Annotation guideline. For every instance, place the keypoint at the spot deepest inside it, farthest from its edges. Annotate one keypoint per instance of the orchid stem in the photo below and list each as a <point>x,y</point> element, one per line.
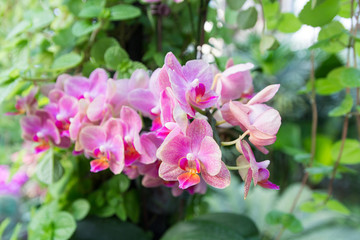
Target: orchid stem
<point>220,122</point>
<point>236,140</point>
<point>237,167</point>
<point>217,76</point>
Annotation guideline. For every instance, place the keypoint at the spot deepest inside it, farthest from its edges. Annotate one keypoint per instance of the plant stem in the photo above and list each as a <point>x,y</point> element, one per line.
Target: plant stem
<point>201,31</point>
<point>159,33</point>
<point>333,174</point>
<point>237,167</point>
<point>191,17</point>
<point>313,139</point>
<point>263,17</point>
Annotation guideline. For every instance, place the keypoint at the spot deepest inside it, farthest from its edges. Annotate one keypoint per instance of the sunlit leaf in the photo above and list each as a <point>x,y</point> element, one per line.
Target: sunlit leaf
<point>351,151</point>
<point>321,14</point>
<point>344,108</point>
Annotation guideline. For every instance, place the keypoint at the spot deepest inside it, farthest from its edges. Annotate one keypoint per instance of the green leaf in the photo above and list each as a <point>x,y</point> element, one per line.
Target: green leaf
<point>288,23</point>
<point>328,86</point>
<point>124,12</point>
<point>310,207</point>
<point>65,38</point>
<point>289,221</point>
<point>321,14</point>
<point>80,208</point>
<point>41,18</point>
<point>235,4</point>
<point>132,205</point>
<point>16,232</point>
<point>230,16</point>
<point>4,225</point>
<point>64,226</point>
<point>350,77</point>
<point>325,170</point>
<point>345,8</point>
<point>84,27</point>
<point>48,169</point>
<point>351,151</point>
<point>124,183</point>
<point>66,61</point>
<point>220,226</point>
<point>99,48</point>
<point>247,18</point>
<point>337,206</point>
<point>7,90</point>
<point>90,11</point>
<point>19,28</point>
<point>344,108</point>
<point>337,40</point>
<point>114,56</point>
<point>121,212</point>
<point>92,228</point>
<point>268,43</point>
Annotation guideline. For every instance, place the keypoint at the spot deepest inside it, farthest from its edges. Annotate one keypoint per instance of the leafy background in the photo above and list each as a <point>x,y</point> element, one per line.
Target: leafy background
<point>41,39</point>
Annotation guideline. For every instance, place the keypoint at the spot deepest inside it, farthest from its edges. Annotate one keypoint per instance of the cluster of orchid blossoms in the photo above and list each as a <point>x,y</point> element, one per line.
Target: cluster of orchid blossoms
<point>102,118</point>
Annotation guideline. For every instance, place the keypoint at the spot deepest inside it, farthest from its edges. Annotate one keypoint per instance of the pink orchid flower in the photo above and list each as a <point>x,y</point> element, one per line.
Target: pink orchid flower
<point>147,101</point>
<point>66,108</point>
<point>260,121</point>
<point>252,170</point>
<point>11,186</point>
<point>185,156</point>
<point>89,88</point>
<point>132,125</point>
<point>234,82</point>
<point>27,104</point>
<point>191,83</point>
<point>105,143</point>
<point>40,128</point>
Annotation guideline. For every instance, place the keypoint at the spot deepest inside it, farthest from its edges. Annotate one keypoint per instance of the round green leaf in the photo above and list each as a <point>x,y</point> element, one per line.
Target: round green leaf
<point>328,86</point>
<point>345,8</point>
<point>289,23</point>
<point>268,43</point>
<point>49,170</point>
<point>124,12</point>
<point>114,56</point>
<point>84,27</point>
<point>337,206</point>
<point>80,208</point>
<point>220,226</point>
<point>350,77</point>
<point>247,18</point>
<point>344,108</point>
<point>64,226</point>
<point>235,4</point>
<point>321,14</point>
<point>90,12</point>
<point>333,37</point>
<point>350,154</point>
<point>99,48</point>
<point>19,28</point>
<point>41,18</point>
<point>66,61</point>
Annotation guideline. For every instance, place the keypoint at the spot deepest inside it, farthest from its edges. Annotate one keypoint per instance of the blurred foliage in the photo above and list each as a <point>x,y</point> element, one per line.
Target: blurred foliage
<point>41,39</point>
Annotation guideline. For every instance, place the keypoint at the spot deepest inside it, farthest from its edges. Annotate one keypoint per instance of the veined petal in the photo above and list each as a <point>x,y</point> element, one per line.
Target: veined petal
<point>268,122</point>
<point>210,156</point>
<point>116,162</point>
<point>173,150</point>
<point>220,180</point>
<point>169,172</point>
<point>265,95</point>
<point>197,131</point>
<point>92,137</point>
<point>97,108</point>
